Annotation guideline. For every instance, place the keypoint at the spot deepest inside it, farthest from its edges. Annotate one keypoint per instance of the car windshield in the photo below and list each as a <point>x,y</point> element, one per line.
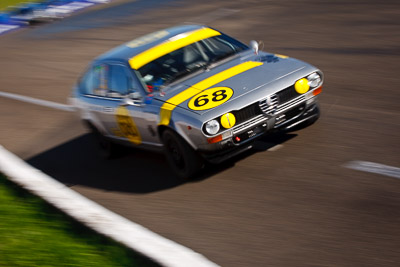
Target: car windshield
<point>187,60</point>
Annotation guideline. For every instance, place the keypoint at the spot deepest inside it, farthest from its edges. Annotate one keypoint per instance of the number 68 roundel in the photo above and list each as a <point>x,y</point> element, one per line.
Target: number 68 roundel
<point>210,98</point>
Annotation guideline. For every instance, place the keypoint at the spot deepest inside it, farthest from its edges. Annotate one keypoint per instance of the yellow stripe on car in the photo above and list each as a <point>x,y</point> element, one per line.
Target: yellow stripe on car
<point>172,44</point>
<point>170,105</point>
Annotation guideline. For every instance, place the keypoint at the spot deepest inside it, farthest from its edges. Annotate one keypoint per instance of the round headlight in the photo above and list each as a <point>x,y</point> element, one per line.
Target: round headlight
<point>302,86</point>
<point>314,80</point>
<point>228,120</point>
<point>212,127</point>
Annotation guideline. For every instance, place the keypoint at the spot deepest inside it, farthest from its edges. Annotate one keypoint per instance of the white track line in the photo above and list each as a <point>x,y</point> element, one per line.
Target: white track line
<point>5,28</point>
<point>36,101</point>
<point>372,167</point>
<point>134,236</point>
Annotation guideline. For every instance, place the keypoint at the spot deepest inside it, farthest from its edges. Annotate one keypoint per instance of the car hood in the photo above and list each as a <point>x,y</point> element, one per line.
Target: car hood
<point>272,74</point>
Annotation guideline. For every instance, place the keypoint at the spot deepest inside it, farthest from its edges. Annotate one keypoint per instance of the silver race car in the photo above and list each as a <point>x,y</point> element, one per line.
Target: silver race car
<point>196,93</point>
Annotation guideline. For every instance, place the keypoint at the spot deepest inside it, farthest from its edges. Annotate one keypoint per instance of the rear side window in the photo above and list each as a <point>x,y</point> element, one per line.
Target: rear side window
<point>100,79</point>
<point>109,80</point>
<point>86,83</point>
<point>95,81</point>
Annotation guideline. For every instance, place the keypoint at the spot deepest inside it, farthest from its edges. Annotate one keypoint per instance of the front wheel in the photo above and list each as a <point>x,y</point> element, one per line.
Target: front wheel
<point>182,158</point>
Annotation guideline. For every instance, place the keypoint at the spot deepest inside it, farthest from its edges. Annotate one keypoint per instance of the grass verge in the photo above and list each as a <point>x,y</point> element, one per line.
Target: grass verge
<point>33,233</point>
<point>6,3</point>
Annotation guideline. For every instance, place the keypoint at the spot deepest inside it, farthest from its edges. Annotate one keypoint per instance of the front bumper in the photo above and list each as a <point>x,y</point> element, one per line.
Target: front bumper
<point>243,136</point>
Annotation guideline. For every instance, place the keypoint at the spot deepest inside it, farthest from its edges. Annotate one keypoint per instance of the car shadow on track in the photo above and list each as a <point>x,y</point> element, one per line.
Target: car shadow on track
<point>263,144</point>
<point>77,162</point>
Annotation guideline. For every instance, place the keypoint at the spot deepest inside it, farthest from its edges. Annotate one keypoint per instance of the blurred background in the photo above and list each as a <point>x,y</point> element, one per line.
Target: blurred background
<point>291,201</point>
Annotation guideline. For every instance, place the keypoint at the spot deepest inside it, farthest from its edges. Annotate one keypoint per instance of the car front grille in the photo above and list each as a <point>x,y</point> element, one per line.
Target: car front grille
<point>269,104</point>
<point>287,94</point>
<point>250,123</point>
<point>285,104</point>
<point>247,113</point>
<point>289,115</point>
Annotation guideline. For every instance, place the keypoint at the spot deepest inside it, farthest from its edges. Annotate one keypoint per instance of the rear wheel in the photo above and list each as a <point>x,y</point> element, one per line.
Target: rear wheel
<point>182,158</point>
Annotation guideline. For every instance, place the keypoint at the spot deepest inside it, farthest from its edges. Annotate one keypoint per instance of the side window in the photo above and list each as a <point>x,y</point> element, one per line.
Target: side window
<point>100,79</point>
<point>94,82</point>
<point>120,80</point>
<point>86,83</point>
<point>109,80</point>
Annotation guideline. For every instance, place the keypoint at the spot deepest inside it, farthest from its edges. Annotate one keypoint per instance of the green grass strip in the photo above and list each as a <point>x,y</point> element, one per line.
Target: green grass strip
<point>6,3</point>
<point>33,233</point>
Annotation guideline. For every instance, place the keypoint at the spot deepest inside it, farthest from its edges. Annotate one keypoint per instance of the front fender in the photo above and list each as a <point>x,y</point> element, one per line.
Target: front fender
<point>188,125</point>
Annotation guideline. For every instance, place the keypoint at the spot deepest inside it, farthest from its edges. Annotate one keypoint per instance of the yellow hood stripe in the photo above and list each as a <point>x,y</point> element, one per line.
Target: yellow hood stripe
<point>172,44</point>
<point>170,104</point>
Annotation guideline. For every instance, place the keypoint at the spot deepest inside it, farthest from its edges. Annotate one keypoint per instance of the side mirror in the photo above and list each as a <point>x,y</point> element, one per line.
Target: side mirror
<point>254,46</point>
<point>135,96</point>
<point>132,99</point>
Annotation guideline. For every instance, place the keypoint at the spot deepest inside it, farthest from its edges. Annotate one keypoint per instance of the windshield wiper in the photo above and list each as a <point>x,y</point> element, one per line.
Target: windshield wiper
<point>187,71</point>
<point>220,57</point>
<point>201,66</point>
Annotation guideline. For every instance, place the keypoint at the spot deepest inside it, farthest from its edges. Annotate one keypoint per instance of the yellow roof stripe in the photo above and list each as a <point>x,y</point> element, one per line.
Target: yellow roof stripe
<point>172,44</point>
<point>166,108</point>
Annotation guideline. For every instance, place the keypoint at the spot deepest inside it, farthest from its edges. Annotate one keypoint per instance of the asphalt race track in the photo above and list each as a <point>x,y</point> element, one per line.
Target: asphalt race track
<point>289,202</point>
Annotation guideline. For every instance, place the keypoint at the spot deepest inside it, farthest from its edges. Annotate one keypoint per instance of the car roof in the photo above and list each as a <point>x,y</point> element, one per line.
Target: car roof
<point>128,50</point>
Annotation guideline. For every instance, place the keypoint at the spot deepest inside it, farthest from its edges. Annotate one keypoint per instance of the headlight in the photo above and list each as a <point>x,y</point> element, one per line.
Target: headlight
<point>212,127</point>
<point>302,86</point>
<point>228,120</point>
<point>314,80</point>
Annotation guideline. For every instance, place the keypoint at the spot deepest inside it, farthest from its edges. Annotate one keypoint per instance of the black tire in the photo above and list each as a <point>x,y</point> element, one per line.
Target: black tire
<point>317,114</point>
<point>182,158</point>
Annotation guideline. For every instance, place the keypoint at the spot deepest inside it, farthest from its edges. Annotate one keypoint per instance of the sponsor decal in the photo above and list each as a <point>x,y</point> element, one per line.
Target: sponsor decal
<point>210,98</point>
<point>127,126</point>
